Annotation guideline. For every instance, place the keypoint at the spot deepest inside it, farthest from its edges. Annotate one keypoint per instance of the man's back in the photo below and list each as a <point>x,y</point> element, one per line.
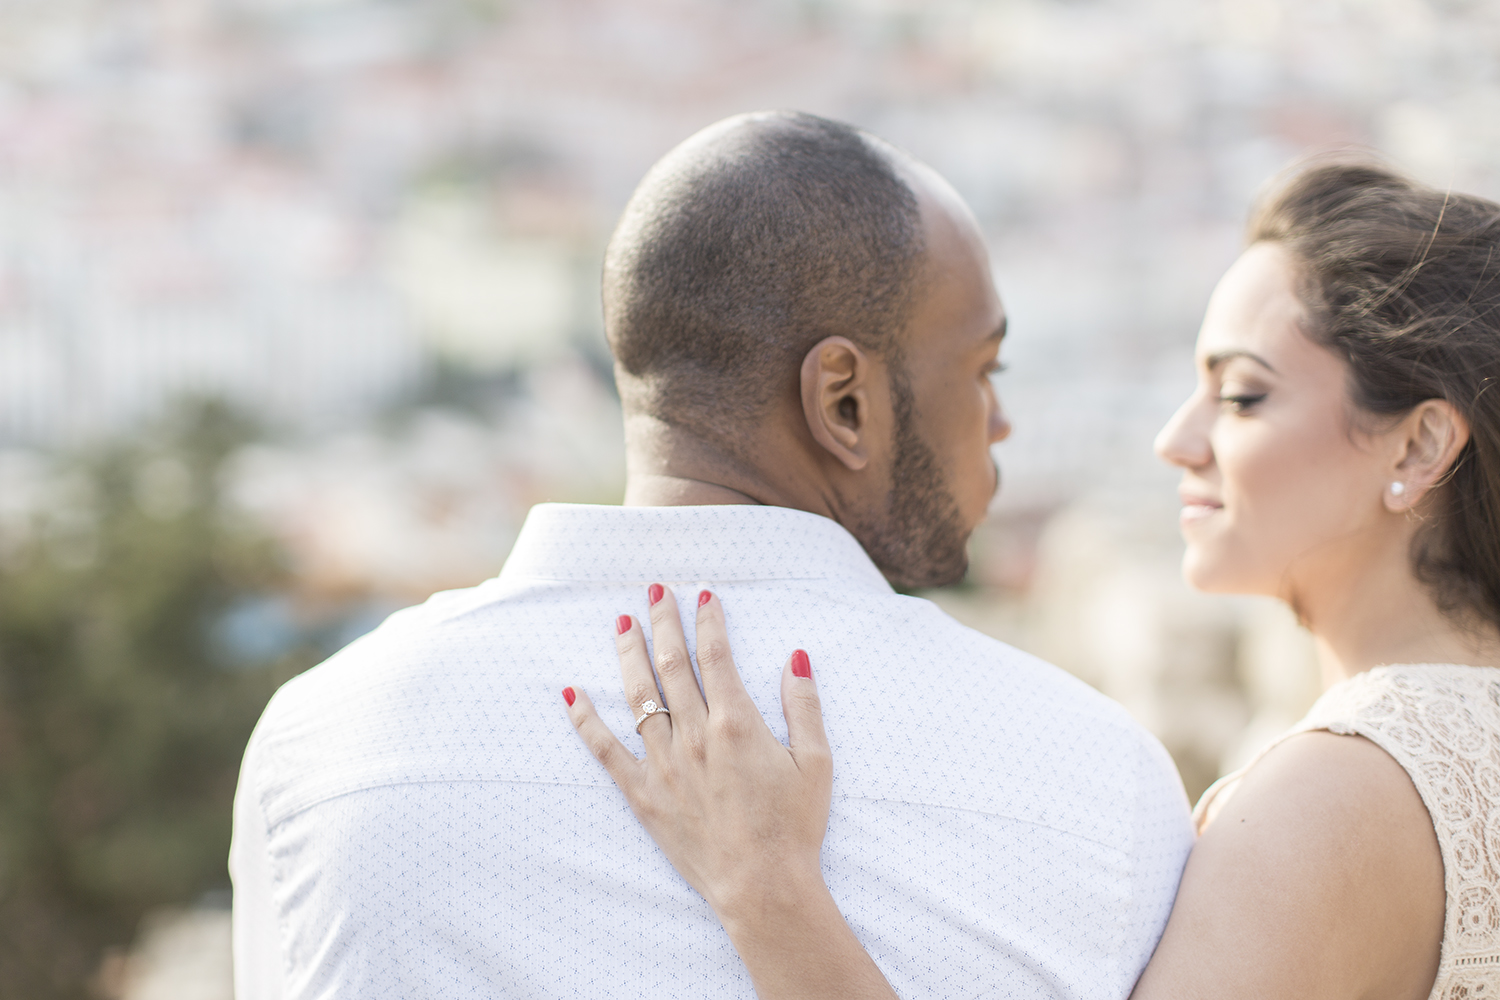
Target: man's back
<point>417,818</point>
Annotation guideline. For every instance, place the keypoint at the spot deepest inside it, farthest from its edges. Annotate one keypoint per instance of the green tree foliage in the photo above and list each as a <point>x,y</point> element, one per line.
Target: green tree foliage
<point>121,721</point>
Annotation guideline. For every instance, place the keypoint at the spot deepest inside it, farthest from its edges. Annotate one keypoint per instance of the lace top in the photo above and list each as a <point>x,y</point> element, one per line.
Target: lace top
<point>1442,724</point>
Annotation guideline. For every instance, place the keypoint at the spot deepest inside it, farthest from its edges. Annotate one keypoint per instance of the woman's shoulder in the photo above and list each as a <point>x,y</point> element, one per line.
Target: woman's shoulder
<point>1326,776</point>
<point>1314,787</point>
<point>1322,864</point>
<point>1423,716</point>
<point>1439,722</point>
<point>1417,789</point>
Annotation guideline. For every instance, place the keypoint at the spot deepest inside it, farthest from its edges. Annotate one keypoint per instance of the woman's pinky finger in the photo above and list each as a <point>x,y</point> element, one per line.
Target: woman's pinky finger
<point>621,764</point>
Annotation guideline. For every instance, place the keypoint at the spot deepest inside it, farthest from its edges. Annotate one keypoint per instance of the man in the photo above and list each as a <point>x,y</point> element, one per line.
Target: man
<point>804,326</point>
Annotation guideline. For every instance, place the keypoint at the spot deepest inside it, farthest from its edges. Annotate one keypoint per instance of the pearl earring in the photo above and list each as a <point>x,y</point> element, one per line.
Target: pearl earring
<point>1397,489</point>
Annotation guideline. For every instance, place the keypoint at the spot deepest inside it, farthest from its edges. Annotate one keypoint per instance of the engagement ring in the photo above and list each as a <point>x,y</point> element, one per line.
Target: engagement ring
<point>649,709</point>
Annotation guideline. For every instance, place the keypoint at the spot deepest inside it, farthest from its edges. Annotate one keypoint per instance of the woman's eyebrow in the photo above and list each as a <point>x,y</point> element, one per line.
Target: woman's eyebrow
<point>1213,361</point>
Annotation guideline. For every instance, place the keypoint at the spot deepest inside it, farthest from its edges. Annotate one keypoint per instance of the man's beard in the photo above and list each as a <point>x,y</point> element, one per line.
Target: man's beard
<point>920,539</point>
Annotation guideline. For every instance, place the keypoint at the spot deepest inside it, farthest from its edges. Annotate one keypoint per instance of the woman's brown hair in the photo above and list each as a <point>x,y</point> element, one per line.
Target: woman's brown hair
<point>1403,283</point>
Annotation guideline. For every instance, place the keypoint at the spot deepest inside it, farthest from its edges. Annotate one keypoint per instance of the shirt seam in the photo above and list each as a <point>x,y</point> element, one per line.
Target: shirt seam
<point>293,814</point>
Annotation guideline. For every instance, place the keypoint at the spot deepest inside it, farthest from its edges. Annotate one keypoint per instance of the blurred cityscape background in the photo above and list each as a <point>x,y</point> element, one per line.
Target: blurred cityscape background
<point>299,315</point>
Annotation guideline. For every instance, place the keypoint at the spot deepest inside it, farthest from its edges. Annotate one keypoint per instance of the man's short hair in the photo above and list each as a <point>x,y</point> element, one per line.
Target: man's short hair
<point>744,247</point>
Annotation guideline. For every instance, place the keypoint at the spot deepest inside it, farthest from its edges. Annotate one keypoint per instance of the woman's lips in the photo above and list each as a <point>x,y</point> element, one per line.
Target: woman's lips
<point>1197,508</point>
<point>1193,512</point>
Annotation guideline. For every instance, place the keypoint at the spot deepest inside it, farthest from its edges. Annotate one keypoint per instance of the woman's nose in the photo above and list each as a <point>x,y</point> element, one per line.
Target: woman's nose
<point>1184,442</point>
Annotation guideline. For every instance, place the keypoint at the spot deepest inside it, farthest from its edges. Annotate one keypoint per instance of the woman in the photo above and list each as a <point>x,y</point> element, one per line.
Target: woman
<point>1341,452</point>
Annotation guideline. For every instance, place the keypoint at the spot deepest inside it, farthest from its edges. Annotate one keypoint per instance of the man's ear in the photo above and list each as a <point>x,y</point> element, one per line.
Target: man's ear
<point>1429,440</point>
<point>836,399</point>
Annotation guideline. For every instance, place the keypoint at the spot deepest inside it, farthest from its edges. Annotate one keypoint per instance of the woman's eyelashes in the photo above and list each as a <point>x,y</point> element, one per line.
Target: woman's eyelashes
<point>1238,394</point>
<point>1240,402</point>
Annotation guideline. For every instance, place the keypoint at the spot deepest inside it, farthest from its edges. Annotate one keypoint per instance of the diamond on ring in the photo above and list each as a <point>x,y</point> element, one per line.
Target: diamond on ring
<point>649,709</point>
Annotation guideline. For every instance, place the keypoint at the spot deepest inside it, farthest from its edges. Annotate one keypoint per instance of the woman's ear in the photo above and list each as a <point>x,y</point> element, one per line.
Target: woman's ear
<point>1429,439</point>
<point>836,399</point>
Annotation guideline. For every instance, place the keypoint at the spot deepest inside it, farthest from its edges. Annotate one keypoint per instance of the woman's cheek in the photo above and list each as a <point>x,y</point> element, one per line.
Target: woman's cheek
<point>1220,551</point>
<point>1267,504</point>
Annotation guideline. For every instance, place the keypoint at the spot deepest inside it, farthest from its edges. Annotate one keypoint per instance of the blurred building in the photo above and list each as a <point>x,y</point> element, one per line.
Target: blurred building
<point>435,502</point>
<point>299,202</point>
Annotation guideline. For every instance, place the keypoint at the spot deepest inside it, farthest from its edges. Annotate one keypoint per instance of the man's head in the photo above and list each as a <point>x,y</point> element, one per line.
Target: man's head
<point>807,316</point>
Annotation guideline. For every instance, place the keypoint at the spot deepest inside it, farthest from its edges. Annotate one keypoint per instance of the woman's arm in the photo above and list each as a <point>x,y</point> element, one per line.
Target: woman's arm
<point>1320,878</point>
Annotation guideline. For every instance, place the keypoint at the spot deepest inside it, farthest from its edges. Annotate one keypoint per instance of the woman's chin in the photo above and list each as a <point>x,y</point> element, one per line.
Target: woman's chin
<point>1204,573</point>
<point>1209,573</point>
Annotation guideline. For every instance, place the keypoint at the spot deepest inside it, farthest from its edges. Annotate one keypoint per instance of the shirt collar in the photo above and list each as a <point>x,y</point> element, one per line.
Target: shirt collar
<point>730,542</point>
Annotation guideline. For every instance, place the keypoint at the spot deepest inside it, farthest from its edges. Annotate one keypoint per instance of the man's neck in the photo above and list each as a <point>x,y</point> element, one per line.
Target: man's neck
<point>669,466</point>
<point>665,490</point>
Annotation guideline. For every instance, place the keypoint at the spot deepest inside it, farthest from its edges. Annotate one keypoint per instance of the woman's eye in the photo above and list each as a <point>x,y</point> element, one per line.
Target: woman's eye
<point>994,368</point>
<point>1241,402</point>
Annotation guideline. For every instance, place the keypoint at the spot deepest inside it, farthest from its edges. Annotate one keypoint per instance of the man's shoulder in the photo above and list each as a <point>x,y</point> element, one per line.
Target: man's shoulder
<point>1021,675</point>
<point>994,729</point>
<point>408,669</point>
<point>423,636</point>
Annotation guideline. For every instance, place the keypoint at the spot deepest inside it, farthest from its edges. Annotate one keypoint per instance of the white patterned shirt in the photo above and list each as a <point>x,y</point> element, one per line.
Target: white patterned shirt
<point>417,818</point>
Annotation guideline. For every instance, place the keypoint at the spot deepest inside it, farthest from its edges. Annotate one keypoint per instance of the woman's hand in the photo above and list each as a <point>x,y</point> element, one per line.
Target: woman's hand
<point>740,816</point>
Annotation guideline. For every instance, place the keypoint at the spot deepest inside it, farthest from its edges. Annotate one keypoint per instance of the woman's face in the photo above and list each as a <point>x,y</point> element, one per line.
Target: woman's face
<point>1279,491</point>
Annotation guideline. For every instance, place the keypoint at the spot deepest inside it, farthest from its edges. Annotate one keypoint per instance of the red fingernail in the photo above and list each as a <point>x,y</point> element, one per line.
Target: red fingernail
<point>622,624</point>
<point>801,666</point>
<point>569,696</point>
<point>654,593</point>
<point>704,597</point>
